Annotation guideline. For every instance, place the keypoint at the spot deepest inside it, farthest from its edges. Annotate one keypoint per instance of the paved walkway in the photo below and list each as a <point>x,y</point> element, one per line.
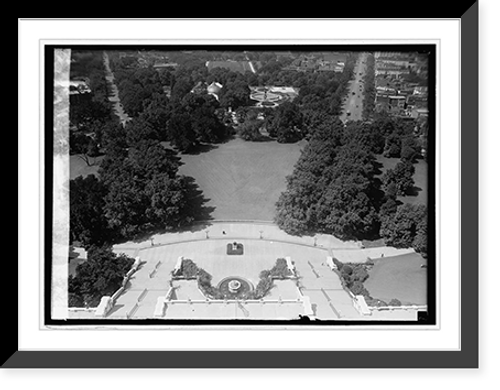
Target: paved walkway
<point>345,251</point>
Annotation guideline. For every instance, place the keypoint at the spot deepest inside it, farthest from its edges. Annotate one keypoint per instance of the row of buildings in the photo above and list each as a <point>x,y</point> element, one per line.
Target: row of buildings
<point>318,62</point>
<point>400,63</point>
<point>401,84</point>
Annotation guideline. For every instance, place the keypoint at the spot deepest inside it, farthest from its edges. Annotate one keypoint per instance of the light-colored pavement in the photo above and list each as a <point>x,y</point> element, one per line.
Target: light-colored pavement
<point>206,246</point>
<point>352,108</point>
<point>345,251</point>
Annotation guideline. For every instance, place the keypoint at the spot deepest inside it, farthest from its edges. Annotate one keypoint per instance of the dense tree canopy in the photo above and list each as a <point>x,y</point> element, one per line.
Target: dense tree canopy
<point>87,222</point>
<point>101,275</point>
<point>406,228</point>
<point>401,177</point>
<point>331,188</point>
<point>144,189</point>
<point>180,131</point>
<point>285,123</point>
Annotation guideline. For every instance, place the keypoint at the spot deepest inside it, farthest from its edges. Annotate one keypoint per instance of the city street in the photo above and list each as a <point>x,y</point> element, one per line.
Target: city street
<point>352,108</point>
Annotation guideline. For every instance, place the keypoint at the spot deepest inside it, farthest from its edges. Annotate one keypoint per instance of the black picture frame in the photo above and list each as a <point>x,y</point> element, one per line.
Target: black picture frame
<point>466,357</point>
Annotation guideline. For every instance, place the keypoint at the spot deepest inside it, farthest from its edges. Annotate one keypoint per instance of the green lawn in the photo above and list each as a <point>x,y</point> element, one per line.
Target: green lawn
<point>78,167</point>
<point>241,179</point>
<point>420,178</point>
<point>399,277</point>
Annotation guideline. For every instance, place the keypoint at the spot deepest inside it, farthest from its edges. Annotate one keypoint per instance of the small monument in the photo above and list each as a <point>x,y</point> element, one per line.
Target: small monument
<point>234,248</point>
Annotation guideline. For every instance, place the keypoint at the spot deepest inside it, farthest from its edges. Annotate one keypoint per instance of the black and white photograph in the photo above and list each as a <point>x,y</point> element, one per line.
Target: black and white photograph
<point>250,194</point>
<point>242,184</point>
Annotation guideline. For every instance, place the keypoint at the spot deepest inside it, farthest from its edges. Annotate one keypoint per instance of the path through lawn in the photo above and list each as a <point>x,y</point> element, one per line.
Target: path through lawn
<point>241,179</point>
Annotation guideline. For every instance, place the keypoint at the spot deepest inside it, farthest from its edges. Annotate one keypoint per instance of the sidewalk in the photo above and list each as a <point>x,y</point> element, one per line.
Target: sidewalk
<point>239,230</point>
<point>345,251</point>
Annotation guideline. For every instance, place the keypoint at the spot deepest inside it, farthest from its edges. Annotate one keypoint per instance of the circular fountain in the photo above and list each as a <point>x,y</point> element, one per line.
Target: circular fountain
<point>235,287</point>
<point>266,98</point>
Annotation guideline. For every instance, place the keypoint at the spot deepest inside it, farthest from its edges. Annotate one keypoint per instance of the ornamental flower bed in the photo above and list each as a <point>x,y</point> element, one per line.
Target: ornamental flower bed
<point>187,270</point>
<point>234,248</point>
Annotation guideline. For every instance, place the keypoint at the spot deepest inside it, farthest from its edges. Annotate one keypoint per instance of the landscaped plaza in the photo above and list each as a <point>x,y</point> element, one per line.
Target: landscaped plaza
<point>317,290</point>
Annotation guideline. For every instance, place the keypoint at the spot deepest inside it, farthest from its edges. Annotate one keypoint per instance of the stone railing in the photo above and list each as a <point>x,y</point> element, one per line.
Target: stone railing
<point>361,306</point>
<point>401,307</point>
<point>291,266</point>
<point>82,309</point>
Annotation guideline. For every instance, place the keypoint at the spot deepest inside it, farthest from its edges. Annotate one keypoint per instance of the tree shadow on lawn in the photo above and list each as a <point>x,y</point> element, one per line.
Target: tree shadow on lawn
<point>263,138</point>
<point>378,168</point>
<point>204,147</point>
<point>196,207</point>
<point>413,191</point>
<point>196,212</point>
<point>201,148</point>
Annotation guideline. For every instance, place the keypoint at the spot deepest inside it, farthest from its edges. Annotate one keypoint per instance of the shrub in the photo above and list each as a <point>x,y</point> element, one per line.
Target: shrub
<point>189,268</point>
<point>357,288</point>
<point>263,287</point>
<point>338,263</point>
<point>360,273</point>
<point>280,270</point>
<point>375,302</point>
<point>204,278</point>
<point>394,302</point>
<point>347,269</point>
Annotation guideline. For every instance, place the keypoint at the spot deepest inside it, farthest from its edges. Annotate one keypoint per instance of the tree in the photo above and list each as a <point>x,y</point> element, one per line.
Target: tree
<point>399,178</point>
<point>235,94</point>
<point>168,202</point>
<point>180,132</point>
<point>132,96</point>
<point>250,130</point>
<point>403,172</point>
<point>126,203</point>
<point>293,212</point>
<point>408,223</point>
<point>392,146</point>
<point>331,189</point>
<point>149,158</point>
<point>347,212</point>
<point>388,208</point>
<point>139,129</point>
<point>114,140</point>
<point>144,190</point>
<point>181,88</point>
<point>87,222</point>
<point>286,123</point>
<point>83,146</point>
<point>409,149</point>
<point>366,136</point>
<point>101,275</point>
<point>206,124</point>
<point>156,113</point>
